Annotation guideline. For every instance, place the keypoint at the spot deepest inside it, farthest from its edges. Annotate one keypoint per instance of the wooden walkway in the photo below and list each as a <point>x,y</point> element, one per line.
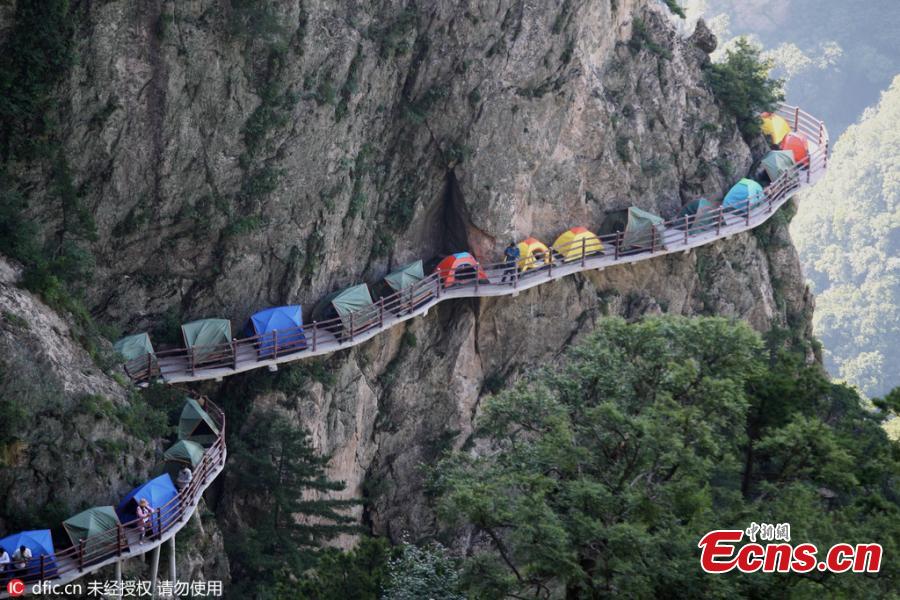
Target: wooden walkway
<point>115,546</point>
<point>677,235</point>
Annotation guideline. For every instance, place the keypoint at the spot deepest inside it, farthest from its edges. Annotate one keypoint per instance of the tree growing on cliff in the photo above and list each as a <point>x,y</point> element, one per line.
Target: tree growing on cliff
<point>604,474</point>
<point>742,84</point>
<point>284,479</point>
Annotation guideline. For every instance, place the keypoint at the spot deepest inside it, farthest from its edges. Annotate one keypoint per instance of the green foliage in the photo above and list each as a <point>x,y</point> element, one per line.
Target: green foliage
<point>393,38</point>
<point>360,573</point>
<point>417,110</point>
<point>848,235</point>
<point>14,414</point>
<point>675,7</point>
<point>742,85</point>
<point>605,472</point>
<point>623,149</point>
<point>279,474</point>
<point>422,572</point>
<point>351,85</point>
<point>641,39</point>
<point>254,19</point>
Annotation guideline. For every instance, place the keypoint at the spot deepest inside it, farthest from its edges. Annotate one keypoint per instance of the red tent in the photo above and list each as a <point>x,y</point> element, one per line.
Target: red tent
<point>459,268</point>
<point>798,144</point>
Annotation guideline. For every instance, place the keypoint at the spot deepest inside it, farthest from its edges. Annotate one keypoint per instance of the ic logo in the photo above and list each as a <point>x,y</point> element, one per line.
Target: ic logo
<point>15,587</point>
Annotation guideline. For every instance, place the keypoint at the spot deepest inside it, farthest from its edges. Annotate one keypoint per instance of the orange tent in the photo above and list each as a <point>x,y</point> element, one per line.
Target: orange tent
<point>798,145</point>
<point>459,269</point>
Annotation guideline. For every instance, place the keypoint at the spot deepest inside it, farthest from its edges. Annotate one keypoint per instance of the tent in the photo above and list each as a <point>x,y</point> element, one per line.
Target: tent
<point>701,215</point>
<point>459,269</point>
<point>405,276</point>
<point>196,425</point>
<point>774,127</point>
<point>40,542</point>
<point>777,162</point>
<point>533,254</point>
<point>644,230</point>
<point>798,144</point>
<point>287,321</point>
<point>205,333</point>
<point>355,301</point>
<point>134,346</point>
<point>183,453</point>
<point>571,241</point>
<point>157,492</point>
<point>92,523</point>
<point>745,193</point>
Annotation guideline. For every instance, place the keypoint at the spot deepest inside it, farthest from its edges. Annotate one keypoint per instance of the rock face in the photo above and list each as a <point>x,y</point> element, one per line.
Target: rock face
<point>237,157</point>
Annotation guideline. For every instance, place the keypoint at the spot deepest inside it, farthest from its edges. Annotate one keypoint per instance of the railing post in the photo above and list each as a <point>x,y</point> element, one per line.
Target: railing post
<point>618,245</point>
<point>118,539</point>
<point>315,331</point>
<point>158,524</point>
<point>234,352</point>
<point>686,228</point>
<point>381,312</point>
<point>42,568</point>
<point>719,220</point>
<point>652,239</point>
<point>81,547</point>
<point>515,276</point>
<point>351,327</point>
<point>796,118</point>
<point>274,344</point>
<point>438,283</point>
<point>550,263</point>
<point>149,366</point>
<point>583,250</point>
<point>193,362</point>
<point>747,221</point>
<point>476,278</point>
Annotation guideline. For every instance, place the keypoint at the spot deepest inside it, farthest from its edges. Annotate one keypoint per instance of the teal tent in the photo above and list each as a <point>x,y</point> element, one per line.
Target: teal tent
<point>350,304</point>
<point>134,346</point>
<point>183,453</point>
<point>204,334</point>
<point>745,193</point>
<point>701,215</point>
<point>777,162</point>
<point>642,228</point>
<point>405,276</point>
<point>196,425</point>
<point>90,525</point>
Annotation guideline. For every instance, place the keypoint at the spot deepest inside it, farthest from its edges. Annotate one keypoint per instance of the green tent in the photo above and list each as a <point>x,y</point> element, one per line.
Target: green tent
<point>90,523</point>
<point>134,346</point>
<point>405,276</point>
<point>639,230</point>
<point>204,334</point>
<point>196,425</point>
<point>354,300</point>
<point>701,214</point>
<point>777,162</point>
<point>183,453</point>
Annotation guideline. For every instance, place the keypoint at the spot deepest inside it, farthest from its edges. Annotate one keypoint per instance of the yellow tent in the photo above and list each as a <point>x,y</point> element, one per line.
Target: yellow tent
<point>570,243</point>
<point>775,127</point>
<point>533,254</point>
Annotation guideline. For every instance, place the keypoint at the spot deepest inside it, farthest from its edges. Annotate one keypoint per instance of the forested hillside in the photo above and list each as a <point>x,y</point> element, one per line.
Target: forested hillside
<point>848,235</point>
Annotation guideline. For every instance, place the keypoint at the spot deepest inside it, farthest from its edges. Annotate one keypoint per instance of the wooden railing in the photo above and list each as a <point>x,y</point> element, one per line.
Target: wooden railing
<point>214,361</point>
<point>97,551</point>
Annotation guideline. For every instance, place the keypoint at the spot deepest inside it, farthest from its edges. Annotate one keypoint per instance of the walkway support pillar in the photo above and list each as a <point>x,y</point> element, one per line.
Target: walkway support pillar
<point>172,560</point>
<point>154,572</point>
<point>118,594</point>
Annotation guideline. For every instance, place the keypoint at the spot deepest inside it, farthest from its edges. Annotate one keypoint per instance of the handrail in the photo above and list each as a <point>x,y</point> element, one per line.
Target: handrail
<point>219,360</point>
<point>98,551</point>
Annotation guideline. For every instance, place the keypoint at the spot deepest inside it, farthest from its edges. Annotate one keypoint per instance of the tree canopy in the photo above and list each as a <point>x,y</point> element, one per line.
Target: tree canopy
<point>599,477</point>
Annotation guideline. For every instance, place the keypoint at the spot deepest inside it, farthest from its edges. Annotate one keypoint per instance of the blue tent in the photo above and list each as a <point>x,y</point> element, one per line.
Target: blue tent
<point>287,320</point>
<point>39,542</point>
<point>157,492</point>
<point>745,193</point>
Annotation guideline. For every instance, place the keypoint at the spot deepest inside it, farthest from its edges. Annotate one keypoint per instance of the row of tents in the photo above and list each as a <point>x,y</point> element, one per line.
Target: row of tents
<point>279,329</point>
<point>196,431</point>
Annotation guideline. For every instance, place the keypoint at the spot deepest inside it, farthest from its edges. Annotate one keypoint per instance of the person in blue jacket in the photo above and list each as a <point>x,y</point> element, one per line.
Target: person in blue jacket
<point>511,254</point>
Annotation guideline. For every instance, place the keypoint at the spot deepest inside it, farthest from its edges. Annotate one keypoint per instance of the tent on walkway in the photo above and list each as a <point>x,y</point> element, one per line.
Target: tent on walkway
<point>777,162</point>
<point>89,525</point>
<point>798,144</point>
<point>774,127</point>
<point>203,335</point>
<point>134,346</point>
<point>571,242</point>
<point>157,492</point>
<point>405,276</point>
<point>183,453</point>
<point>353,305</point>
<point>196,425</point>
<point>40,542</point>
<point>460,269</point>
<point>280,329</point>
<point>533,254</point>
<point>745,194</point>
<point>701,216</point>
<point>643,231</point>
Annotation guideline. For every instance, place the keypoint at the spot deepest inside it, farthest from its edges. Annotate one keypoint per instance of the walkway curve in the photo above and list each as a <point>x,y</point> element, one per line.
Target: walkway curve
<point>110,547</point>
<point>679,235</point>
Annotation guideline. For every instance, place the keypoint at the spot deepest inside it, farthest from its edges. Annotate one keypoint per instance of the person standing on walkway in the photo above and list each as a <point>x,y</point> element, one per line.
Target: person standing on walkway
<point>511,254</point>
<point>144,512</point>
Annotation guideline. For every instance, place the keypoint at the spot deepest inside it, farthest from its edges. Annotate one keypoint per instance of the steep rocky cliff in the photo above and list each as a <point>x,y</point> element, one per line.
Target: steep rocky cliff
<point>235,156</point>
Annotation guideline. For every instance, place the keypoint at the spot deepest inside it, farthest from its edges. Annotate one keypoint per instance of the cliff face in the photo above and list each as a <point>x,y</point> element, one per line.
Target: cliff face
<point>235,157</point>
